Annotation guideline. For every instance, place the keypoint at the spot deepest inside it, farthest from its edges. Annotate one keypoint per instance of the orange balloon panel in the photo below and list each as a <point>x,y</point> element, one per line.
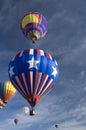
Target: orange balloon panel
<point>9,90</point>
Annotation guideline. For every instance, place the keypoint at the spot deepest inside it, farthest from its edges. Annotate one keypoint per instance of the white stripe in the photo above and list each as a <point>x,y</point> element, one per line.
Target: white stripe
<point>42,52</point>
<point>39,78</point>
<point>50,57</point>
<point>17,88</point>
<point>31,51</point>
<point>21,53</point>
<point>47,86</point>
<point>56,62</point>
<point>31,81</point>
<point>25,82</point>
<point>20,85</point>
<point>13,58</point>
<point>43,84</point>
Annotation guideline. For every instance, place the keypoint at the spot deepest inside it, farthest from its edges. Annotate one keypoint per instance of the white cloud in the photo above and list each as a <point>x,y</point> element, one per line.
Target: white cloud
<point>49,112</point>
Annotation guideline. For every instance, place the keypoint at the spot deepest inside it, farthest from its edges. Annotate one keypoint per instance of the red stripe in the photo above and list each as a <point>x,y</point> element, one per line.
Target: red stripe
<point>48,55</point>
<point>22,82</point>
<point>30,101</point>
<point>43,79</point>
<point>38,52</point>
<point>18,87</point>
<point>25,29</point>
<point>18,54</point>
<point>36,81</point>
<point>50,86</point>
<point>29,81</point>
<point>28,51</point>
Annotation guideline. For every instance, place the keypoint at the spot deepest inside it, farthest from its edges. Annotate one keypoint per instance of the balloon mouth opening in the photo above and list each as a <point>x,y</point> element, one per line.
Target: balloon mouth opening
<point>34,38</point>
<point>33,99</point>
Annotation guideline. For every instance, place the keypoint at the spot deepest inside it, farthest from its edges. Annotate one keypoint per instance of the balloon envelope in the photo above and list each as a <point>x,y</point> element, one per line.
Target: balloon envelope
<point>34,26</point>
<point>56,126</point>
<point>7,90</point>
<point>16,121</point>
<point>33,72</point>
<point>25,110</point>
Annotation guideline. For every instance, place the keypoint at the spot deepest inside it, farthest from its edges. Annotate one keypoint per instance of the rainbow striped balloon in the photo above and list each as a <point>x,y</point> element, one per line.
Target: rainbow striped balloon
<point>7,90</point>
<point>34,26</point>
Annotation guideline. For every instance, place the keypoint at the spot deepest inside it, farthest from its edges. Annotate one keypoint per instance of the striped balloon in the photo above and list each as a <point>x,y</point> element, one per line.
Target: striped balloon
<point>33,72</point>
<point>34,26</point>
<point>7,90</point>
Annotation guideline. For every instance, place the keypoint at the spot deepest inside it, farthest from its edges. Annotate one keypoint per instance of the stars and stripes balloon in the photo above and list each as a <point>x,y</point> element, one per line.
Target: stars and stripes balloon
<point>33,72</point>
<point>34,26</point>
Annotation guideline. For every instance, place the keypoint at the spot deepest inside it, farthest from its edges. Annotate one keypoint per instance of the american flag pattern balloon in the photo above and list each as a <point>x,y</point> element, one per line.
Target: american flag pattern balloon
<point>33,73</point>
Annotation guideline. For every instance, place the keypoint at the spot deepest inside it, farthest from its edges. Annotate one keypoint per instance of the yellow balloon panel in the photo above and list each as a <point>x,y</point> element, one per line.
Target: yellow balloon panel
<point>9,90</point>
<point>30,18</point>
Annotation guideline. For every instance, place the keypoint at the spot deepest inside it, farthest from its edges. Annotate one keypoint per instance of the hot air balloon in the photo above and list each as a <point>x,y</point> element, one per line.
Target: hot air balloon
<point>33,73</point>
<point>25,110</point>
<point>56,125</point>
<point>34,26</point>
<point>16,121</point>
<point>7,90</point>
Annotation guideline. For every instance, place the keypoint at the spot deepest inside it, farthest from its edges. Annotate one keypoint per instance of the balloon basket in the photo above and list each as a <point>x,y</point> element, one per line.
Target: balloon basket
<point>32,112</point>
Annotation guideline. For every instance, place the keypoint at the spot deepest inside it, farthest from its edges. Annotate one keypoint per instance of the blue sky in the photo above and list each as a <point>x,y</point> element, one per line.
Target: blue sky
<point>65,104</point>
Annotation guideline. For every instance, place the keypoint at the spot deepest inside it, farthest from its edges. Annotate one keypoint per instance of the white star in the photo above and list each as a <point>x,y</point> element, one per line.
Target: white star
<point>11,71</point>
<point>54,71</point>
<point>33,63</point>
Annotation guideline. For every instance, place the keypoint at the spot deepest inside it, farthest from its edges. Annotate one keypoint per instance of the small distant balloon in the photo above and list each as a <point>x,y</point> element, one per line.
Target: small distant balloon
<point>25,110</point>
<point>56,125</point>
<point>16,121</point>
<point>34,26</point>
